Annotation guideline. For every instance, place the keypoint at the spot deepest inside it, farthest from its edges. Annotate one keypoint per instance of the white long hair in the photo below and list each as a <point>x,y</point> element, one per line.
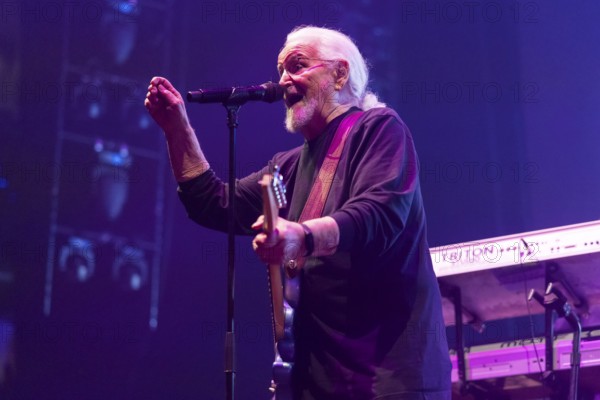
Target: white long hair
<point>334,45</point>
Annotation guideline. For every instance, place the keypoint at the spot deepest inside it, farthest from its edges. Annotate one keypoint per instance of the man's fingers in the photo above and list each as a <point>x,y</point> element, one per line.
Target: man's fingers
<point>151,99</point>
<point>259,240</point>
<point>266,252</point>
<point>258,224</point>
<point>157,80</point>
<point>266,239</point>
<point>152,95</point>
<point>167,94</point>
<point>165,82</point>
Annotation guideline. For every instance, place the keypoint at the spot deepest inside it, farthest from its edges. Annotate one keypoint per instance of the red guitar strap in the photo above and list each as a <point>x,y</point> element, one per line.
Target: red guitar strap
<point>320,189</point>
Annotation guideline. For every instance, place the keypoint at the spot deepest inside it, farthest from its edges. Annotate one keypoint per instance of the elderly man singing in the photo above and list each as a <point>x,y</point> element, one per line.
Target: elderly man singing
<point>367,318</point>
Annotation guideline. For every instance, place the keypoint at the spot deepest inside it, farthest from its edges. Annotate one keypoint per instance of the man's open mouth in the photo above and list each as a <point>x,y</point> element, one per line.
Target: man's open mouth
<point>292,99</point>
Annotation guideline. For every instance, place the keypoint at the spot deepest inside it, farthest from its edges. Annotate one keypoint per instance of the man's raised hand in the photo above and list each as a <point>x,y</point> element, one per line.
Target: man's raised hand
<point>166,106</point>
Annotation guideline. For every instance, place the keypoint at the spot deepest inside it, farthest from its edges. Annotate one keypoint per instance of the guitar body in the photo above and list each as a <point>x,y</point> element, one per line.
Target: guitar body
<point>284,293</point>
<point>284,359</point>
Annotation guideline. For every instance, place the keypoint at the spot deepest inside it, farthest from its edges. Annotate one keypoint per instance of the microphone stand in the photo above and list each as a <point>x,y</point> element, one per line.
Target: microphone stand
<point>232,123</point>
<point>560,304</point>
<point>234,99</point>
<point>232,105</point>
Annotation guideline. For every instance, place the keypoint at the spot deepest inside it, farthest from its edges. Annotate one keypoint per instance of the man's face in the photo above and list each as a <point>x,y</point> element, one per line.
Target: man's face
<point>309,87</point>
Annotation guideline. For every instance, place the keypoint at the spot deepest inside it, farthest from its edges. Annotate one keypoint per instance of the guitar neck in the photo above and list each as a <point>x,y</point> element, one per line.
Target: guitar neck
<point>270,213</point>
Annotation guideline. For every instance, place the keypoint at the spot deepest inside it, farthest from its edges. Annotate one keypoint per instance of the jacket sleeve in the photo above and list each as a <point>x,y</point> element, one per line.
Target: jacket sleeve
<point>206,197</point>
<point>206,200</point>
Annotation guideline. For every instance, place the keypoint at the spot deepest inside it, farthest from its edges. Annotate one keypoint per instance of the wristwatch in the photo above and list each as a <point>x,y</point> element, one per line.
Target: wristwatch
<point>309,240</point>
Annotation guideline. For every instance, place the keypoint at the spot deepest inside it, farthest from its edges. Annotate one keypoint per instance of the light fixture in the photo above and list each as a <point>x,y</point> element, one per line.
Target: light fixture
<point>130,269</point>
<point>119,29</point>
<point>77,259</point>
<point>112,177</point>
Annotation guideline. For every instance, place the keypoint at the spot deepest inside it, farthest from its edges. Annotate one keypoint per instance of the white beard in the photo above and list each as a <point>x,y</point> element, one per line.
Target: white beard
<point>300,115</point>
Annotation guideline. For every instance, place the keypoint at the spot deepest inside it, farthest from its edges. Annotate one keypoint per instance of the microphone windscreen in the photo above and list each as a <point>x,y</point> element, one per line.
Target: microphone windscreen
<point>273,92</point>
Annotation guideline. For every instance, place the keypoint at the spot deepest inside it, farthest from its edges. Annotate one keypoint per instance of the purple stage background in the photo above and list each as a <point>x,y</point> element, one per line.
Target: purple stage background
<point>501,97</point>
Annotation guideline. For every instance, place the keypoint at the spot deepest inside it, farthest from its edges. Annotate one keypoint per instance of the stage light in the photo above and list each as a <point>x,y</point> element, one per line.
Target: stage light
<point>130,269</point>
<point>77,259</point>
<point>112,183</point>
<point>95,110</point>
<point>127,7</point>
<point>144,121</point>
<point>119,29</point>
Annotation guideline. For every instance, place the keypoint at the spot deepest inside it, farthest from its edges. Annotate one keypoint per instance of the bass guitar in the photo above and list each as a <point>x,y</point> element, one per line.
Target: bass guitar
<point>273,193</point>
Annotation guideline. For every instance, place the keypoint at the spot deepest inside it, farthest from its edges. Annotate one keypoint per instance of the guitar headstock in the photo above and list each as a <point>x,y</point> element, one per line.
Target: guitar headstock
<point>273,191</point>
<point>278,188</point>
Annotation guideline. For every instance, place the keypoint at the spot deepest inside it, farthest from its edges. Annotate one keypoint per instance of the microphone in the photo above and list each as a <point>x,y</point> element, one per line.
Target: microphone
<point>269,92</point>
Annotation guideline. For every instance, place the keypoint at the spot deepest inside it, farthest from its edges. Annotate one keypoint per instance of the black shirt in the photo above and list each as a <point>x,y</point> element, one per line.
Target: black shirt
<point>369,322</point>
